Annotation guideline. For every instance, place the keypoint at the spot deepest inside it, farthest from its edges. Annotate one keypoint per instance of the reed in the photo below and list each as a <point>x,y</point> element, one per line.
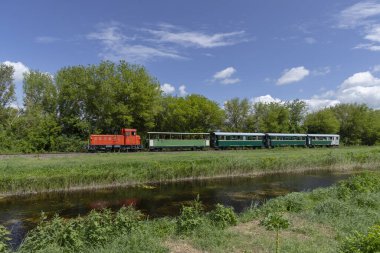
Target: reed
<point>19,174</point>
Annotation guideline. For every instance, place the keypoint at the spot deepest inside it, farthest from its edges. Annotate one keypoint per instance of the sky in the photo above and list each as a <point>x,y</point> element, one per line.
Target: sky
<point>323,52</point>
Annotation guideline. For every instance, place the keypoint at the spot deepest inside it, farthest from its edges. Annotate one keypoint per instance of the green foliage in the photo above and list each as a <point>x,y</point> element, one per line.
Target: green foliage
<point>223,216</point>
<point>275,221</point>
<point>74,235</point>
<point>4,239</point>
<point>7,86</point>
<point>237,114</point>
<point>271,118</point>
<point>363,243</point>
<point>191,217</point>
<point>322,122</point>
<point>363,183</point>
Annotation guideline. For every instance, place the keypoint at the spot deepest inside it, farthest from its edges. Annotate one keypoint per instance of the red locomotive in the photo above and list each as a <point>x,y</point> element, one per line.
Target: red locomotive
<point>128,140</point>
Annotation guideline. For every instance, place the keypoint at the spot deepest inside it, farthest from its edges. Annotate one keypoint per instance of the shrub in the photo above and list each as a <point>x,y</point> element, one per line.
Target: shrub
<point>332,207</point>
<point>363,243</point>
<point>4,238</point>
<point>191,217</point>
<point>223,216</point>
<point>363,183</point>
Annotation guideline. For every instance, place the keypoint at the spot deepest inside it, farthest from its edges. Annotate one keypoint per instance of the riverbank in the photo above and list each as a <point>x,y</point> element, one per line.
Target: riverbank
<point>23,175</point>
<point>324,220</point>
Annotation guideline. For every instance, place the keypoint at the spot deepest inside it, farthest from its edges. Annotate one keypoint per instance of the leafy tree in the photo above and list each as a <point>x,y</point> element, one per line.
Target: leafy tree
<point>193,113</point>
<point>237,113</point>
<point>354,120</point>
<point>272,117</point>
<point>297,112</point>
<point>7,87</point>
<point>322,122</point>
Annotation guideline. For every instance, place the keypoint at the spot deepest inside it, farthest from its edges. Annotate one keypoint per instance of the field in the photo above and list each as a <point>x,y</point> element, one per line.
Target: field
<point>36,173</point>
<point>342,218</point>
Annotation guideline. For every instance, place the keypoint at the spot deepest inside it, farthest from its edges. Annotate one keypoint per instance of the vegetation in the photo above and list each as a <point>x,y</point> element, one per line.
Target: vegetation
<point>323,220</point>
<point>275,221</point>
<point>60,112</point>
<point>70,171</point>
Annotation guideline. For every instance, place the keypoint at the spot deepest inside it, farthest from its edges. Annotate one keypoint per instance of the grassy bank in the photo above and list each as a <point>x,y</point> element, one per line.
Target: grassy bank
<point>341,218</point>
<point>20,174</point>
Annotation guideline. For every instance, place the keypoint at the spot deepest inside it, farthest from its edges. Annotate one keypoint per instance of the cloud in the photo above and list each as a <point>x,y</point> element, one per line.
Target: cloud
<point>316,104</point>
<point>172,34</point>
<point>364,17</point>
<point>182,91</point>
<point>224,76</point>
<point>310,40</point>
<point>358,14</point>
<point>265,99</point>
<point>321,71</point>
<point>293,75</point>
<point>361,87</point>
<point>118,46</point>
<point>376,68</point>
<point>46,39</point>
<point>167,88</point>
<point>19,70</point>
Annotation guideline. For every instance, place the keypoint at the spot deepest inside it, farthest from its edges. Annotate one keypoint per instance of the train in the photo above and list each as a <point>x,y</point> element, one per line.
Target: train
<point>129,140</point>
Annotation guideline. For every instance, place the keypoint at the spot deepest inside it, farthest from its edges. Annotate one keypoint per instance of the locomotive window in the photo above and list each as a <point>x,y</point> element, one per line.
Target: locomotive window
<point>133,133</point>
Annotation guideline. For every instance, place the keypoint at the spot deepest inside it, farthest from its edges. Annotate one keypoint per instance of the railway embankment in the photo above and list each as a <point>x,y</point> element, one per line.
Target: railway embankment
<point>40,173</point>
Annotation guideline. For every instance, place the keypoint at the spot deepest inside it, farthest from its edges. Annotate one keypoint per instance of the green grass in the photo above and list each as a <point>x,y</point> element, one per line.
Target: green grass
<point>20,174</point>
<point>320,221</point>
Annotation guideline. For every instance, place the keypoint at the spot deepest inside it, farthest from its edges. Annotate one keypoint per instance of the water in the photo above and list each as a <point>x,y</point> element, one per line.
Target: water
<point>20,214</point>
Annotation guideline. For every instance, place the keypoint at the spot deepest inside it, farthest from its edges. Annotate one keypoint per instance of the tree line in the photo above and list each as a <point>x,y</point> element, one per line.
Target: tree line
<point>60,112</point>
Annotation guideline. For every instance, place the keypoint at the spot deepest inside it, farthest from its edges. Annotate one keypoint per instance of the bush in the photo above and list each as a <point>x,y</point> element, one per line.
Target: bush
<point>4,238</point>
<point>223,216</point>
<point>363,243</point>
<point>191,217</point>
<point>363,183</point>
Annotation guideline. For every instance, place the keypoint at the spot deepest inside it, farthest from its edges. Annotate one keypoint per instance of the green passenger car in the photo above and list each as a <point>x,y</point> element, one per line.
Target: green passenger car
<point>283,140</point>
<point>322,140</point>
<point>172,140</point>
<point>224,140</point>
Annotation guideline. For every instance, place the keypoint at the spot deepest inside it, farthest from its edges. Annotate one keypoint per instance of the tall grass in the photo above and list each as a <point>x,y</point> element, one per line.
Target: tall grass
<point>39,173</point>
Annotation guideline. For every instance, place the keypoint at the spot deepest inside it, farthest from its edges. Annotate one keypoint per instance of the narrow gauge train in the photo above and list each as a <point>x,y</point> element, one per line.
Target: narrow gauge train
<point>130,141</point>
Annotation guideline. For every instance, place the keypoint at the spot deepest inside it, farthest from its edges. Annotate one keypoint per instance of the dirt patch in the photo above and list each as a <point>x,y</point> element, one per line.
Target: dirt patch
<point>180,246</point>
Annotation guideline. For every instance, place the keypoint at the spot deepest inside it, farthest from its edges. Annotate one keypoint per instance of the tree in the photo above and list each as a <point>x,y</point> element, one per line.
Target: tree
<point>271,117</point>
<point>237,113</point>
<point>297,112</point>
<point>7,86</point>
<point>193,113</point>
<point>354,121</point>
<point>322,122</point>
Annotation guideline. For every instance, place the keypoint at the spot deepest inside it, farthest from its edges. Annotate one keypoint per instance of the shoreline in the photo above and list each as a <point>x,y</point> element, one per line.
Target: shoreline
<point>91,187</point>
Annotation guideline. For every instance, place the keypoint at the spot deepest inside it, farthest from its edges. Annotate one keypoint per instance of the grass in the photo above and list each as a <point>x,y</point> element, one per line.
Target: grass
<point>26,174</point>
<point>320,221</point>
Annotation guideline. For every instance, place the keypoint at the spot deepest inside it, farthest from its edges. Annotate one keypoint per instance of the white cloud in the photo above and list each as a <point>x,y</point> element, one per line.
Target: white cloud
<point>364,16</point>
<point>19,70</point>
<point>167,88</point>
<point>45,39</point>
<point>224,76</point>
<point>376,68</point>
<point>361,87</point>
<point>293,75</point>
<point>310,40</point>
<point>225,73</point>
<point>315,104</point>
<point>265,99</point>
<point>321,71</point>
<point>172,34</point>
<point>117,46</point>
<point>182,91</point>
<point>358,14</point>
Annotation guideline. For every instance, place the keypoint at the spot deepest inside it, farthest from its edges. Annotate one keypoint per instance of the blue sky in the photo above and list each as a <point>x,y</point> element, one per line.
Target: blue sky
<point>324,52</point>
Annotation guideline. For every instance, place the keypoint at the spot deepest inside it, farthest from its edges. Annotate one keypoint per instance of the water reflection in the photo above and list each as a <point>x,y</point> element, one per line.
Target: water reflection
<point>20,214</point>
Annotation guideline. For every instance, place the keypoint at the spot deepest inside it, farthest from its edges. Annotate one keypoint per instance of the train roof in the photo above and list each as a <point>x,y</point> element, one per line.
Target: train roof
<point>286,134</point>
<point>177,133</point>
<point>238,134</point>
<point>321,135</point>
